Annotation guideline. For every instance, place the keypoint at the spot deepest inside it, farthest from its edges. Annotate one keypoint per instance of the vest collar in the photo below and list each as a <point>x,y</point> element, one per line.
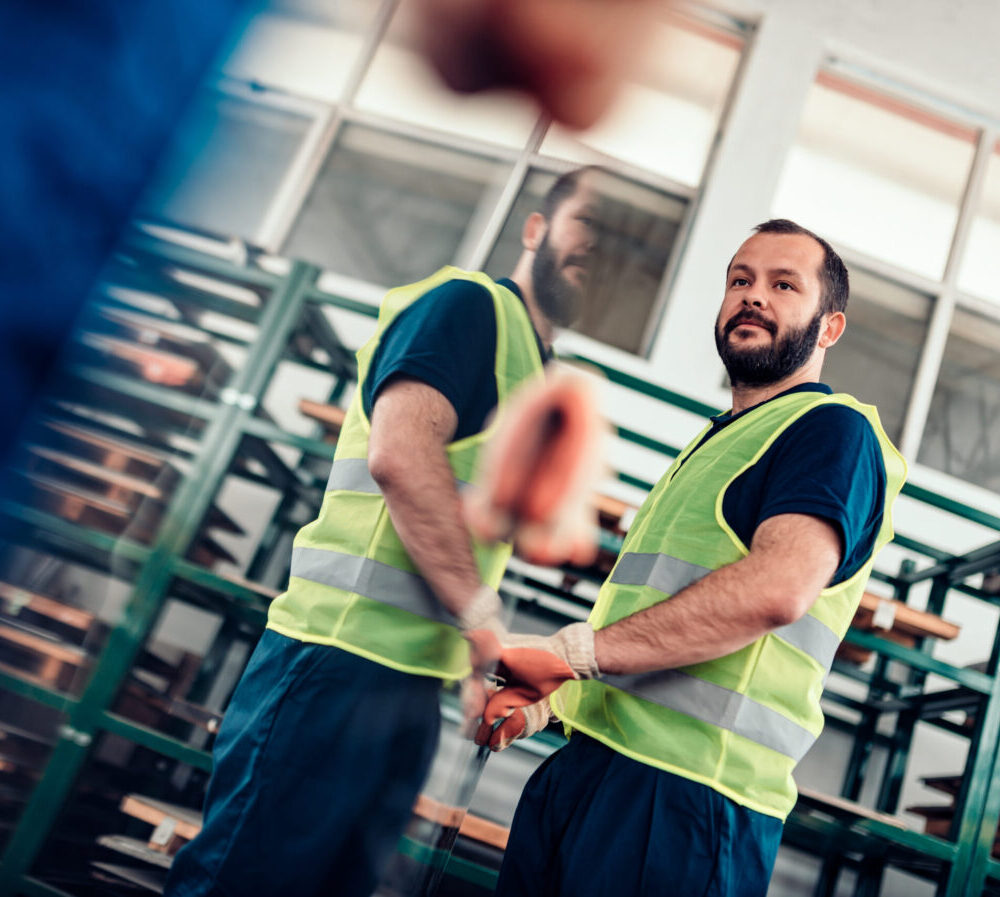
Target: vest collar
<point>507,283</point>
<point>727,417</point>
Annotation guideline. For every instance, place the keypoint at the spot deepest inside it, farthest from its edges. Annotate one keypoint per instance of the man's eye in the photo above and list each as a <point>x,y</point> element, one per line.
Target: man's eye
<point>740,282</point>
<point>784,285</point>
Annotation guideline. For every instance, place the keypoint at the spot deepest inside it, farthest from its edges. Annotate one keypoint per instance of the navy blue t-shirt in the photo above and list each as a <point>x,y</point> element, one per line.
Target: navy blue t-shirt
<point>828,464</point>
<point>447,339</point>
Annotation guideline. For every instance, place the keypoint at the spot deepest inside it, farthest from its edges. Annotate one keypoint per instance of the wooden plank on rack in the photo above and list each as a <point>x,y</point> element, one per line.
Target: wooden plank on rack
<point>114,453</point>
<point>178,338</point>
<point>98,512</point>
<point>14,599</point>
<point>842,806</point>
<point>259,588</point>
<point>136,849</point>
<point>45,660</point>
<point>127,490</point>
<point>469,825</point>
<point>904,619</point>
<point>147,363</point>
<point>116,485</point>
<point>330,416</point>
<point>48,647</point>
<point>186,822</point>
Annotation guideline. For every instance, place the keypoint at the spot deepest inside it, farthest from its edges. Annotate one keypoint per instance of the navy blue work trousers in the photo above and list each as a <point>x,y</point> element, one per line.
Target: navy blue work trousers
<point>317,765</point>
<point>592,823</point>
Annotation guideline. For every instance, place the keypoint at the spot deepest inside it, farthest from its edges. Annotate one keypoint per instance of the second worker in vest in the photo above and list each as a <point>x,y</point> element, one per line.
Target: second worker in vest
<point>713,634</point>
<point>329,736</point>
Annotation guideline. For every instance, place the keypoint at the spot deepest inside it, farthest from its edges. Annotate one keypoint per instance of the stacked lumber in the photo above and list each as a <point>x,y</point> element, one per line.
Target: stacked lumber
<point>110,484</point>
<point>154,350</point>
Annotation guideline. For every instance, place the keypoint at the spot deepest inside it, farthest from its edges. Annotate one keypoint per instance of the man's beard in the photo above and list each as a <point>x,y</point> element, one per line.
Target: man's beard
<point>558,299</point>
<point>763,365</point>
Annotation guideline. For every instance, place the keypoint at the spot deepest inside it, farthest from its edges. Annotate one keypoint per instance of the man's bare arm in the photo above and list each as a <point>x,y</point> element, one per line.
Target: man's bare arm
<point>792,558</point>
<point>412,424</point>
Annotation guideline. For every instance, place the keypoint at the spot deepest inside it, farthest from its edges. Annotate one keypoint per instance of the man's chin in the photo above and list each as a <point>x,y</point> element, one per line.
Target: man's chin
<point>749,331</point>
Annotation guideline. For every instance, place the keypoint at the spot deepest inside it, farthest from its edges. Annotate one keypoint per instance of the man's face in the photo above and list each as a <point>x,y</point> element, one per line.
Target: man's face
<point>565,259</point>
<point>770,318</point>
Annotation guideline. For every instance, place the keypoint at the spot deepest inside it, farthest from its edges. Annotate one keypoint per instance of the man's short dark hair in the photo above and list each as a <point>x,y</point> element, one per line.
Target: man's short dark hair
<point>832,273</point>
<point>564,187</point>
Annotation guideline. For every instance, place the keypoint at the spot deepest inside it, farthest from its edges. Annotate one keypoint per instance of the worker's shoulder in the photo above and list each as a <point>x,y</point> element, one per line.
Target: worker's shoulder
<point>458,301</point>
<point>457,291</point>
<point>834,413</point>
<point>833,427</point>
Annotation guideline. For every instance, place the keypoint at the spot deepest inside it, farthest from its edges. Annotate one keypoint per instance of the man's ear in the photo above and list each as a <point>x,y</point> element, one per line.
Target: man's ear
<point>832,330</point>
<point>533,231</point>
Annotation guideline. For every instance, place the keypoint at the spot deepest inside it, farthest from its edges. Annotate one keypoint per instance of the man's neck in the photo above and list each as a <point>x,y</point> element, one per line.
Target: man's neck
<point>747,396</point>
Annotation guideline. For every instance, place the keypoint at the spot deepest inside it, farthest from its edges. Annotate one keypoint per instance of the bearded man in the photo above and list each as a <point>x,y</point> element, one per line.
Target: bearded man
<point>331,731</point>
<point>710,640</point>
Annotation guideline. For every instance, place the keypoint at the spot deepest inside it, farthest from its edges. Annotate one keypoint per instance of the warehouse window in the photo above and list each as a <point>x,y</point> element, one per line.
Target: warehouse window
<point>389,209</point>
<point>304,48</point>
<point>876,359</point>
<point>639,228</point>
<point>978,274</point>
<point>910,194</point>
<point>386,175</point>
<point>399,84</point>
<point>962,436</point>
<point>877,175</point>
<point>227,161</point>
<point>668,116</point>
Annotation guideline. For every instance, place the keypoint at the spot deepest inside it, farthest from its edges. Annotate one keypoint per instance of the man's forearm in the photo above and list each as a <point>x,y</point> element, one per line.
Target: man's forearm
<point>792,559</point>
<point>412,425</point>
<point>426,512</point>
<point>709,619</point>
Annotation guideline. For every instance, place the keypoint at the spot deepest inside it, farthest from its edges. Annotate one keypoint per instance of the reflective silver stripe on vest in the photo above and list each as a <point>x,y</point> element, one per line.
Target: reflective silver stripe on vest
<point>669,575</point>
<point>658,571</point>
<point>812,637</point>
<point>373,579</point>
<point>353,475</point>
<point>720,707</point>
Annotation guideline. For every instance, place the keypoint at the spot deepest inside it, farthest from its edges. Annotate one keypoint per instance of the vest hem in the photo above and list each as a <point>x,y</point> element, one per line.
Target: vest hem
<point>313,639</point>
<point>675,770</point>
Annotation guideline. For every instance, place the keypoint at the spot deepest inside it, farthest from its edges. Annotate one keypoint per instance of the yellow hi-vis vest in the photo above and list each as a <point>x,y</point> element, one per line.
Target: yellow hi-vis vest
<point>352,584</point>
<point>740,723</point>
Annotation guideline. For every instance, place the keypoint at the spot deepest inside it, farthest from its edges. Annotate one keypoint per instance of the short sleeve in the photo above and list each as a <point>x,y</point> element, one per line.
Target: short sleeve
<point>446,339</point>
<point>827,464</point>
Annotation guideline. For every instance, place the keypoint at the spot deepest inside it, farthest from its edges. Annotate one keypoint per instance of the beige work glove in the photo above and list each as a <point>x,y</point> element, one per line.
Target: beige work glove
<point>480,623</point>
<point>522,723</point>
<point>534,666</point>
